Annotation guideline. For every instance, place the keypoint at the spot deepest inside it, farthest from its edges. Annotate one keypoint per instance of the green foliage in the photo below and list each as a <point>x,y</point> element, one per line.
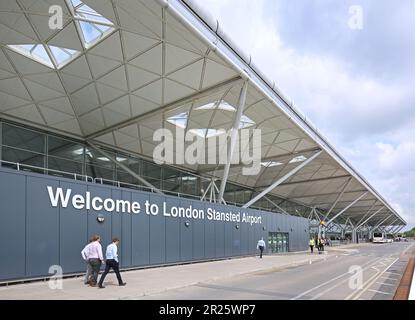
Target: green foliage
<point>410,233</point>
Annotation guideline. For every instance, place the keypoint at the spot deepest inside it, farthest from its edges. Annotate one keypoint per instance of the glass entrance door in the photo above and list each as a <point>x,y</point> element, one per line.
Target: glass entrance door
<point>278,242</point>
<point>272,242</point>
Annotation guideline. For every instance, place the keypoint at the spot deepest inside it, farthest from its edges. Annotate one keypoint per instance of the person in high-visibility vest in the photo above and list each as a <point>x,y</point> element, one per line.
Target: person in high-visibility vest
<point>311,244</point>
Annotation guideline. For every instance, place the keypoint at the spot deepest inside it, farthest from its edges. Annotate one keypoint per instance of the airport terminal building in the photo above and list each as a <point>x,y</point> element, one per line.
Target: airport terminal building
<point>85,85</point>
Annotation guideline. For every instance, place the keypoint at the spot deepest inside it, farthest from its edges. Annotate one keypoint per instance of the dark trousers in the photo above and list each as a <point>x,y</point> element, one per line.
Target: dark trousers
<point>261,249</point>
<point>311,248</point>
<point>114,265</point>
<point>95,265</point>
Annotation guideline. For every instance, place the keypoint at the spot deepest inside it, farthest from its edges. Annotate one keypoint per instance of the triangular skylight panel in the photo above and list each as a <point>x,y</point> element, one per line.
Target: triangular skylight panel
<point>271,164</point>
<point>220,105</point>
<point>63,55</point>
<point>179,120</point>
<point>207,133</point>
<point>94,26</point>
<point>246,122</point>
<point>298,159</point>
<point>35,52</point>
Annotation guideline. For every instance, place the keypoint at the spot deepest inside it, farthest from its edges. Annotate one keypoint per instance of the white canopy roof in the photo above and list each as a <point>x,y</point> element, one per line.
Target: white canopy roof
<point>119,69</point>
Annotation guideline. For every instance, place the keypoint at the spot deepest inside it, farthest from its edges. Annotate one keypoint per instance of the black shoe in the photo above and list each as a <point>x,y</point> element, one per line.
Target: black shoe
<point>122,284</point>
<point>101,286</point>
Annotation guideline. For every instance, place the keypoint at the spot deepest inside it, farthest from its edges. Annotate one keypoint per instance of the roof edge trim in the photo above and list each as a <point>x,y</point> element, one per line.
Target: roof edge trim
<point>186,15</point>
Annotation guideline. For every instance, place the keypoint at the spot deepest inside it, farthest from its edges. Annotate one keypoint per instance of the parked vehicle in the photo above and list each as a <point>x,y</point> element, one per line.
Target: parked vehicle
<point>379,237</point>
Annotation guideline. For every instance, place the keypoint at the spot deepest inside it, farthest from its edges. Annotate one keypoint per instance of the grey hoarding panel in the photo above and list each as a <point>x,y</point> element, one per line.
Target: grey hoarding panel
<point>209,238</point>
<point>140,232</point>
<point>172,232</point>
<point>186,234</point>
<point>57,235</point>
<point>198,233</point>
<point>236,238</point>
<point>245,229</point>
<point>220,233</point>
<point>116,229</point>
<point>102,229</point>
<point>126,236</point>
<point>293,233</point>
<point>229,238</point>
<point>255,234</point>
<point>157,232</point>
<point>12,225</point>
<point>258,231</point>
<point>42,241</point>
<point>73,232</point>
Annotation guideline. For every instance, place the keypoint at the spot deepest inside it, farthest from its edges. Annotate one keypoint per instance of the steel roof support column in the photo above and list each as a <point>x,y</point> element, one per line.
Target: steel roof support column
<point>364,222</point>
<point>234,140</point>
<point>276,205</point>
<point>393,230</point>
<point>310,216</point>
<point>396,229</point>
<point>206,191</point>
<point>399,230</point>
<point>345,209</point>
<point>125,168</point>
<point>338,198</point>
<point>367,213</point>
<point>380,223</point>
<point>281,180</point>
<point>391,226</point>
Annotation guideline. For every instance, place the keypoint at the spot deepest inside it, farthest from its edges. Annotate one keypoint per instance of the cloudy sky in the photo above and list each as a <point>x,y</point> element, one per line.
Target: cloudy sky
<point>354,79</point>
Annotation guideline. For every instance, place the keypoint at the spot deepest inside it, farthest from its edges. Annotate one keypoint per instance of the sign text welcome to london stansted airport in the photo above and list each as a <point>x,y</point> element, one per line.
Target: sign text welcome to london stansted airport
<point>59,197</point>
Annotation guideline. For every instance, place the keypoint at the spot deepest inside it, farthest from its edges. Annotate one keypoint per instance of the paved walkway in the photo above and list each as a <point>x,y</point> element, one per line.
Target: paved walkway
<point>146,282</point>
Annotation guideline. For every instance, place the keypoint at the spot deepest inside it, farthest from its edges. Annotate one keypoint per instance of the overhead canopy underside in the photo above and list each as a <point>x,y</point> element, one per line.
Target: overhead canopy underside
<point>118,70</point>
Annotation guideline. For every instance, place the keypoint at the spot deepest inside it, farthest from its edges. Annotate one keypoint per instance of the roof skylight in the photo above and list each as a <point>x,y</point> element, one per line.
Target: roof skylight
<point>38,53</point>
<point>179,120</point>
<point>298,159</point>
<point>94,26</point>
<point>246,122</point>
<point>35,51</point>
<point>207,133</point>
<point>220,105</point>
<point>63,55</point>
<point>271,164</point>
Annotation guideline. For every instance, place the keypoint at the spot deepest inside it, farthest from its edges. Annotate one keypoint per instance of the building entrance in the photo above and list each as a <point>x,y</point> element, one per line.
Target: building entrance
<point>278,242</point>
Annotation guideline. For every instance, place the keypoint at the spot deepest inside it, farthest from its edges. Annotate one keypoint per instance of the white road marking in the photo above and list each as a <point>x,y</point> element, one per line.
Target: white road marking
<point>331,280</point>
<point>386,284</point>
<point>377,291</point>
<point>356,294</point>
<point>389,278</point>
<point>395,273</point>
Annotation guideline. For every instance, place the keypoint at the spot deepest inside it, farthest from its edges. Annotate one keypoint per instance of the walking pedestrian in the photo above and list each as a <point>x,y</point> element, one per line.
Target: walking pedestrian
<point>261,247</point>
<point>84,254</point>
<point>95,259</point>
<point>111,256</point>
<point>311,244</point>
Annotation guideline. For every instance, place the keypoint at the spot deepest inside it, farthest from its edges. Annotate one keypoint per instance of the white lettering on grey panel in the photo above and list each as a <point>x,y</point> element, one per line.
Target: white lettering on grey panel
<point>63,198</point>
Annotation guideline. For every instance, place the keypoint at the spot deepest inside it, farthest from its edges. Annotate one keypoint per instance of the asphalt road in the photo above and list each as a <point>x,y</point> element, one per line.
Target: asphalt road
<point>371,272</point>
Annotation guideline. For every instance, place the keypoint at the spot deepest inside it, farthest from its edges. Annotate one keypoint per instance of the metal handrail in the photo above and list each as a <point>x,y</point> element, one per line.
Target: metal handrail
<point>102,181</point>
<point>21,166</point>
<point>135,186</point>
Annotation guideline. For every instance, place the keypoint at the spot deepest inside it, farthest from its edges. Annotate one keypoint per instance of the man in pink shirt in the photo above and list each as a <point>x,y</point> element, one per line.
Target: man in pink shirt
<point>95,258</point>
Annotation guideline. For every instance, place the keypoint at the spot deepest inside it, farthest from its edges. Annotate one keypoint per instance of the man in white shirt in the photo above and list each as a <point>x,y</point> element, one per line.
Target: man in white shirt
<point>84,254</point>
<point>261,246</point>
<point>112,263</point>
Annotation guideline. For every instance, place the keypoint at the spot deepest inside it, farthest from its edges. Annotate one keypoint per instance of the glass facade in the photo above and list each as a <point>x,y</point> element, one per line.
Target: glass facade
<point>51,154</point>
